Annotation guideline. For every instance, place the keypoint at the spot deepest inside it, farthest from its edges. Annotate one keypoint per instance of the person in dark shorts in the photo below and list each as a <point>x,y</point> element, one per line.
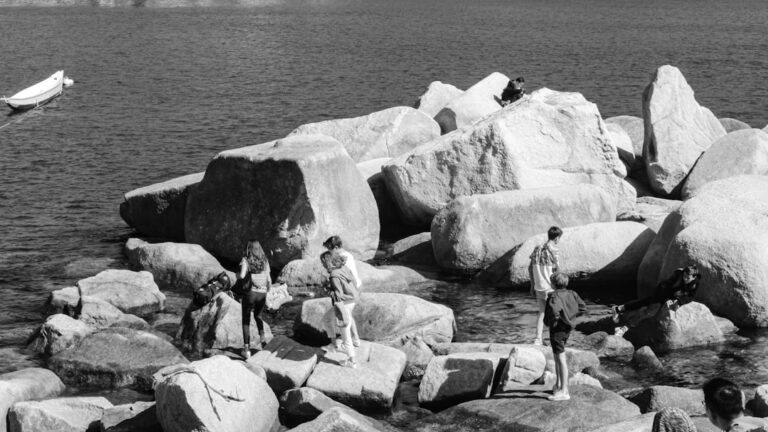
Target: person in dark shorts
<point>563,306</point>
<point>514,90</point>
<point>724,403</point>
<point>255,282</point>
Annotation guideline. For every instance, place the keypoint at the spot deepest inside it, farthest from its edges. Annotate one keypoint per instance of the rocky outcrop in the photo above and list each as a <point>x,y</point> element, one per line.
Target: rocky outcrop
<point>664,329</point>
<point>656,398</point>
<point>733,125</point>
<point>523,366</point>
<point>597,254</point>
<point>456,378</point>
<point>217,325</point>
<point>437,96</point>
<point>369,386</point>
<point>74,414</point>
<point>723,230</point>
<point>24,385</point>
<point>217,395</point>
<point>677,130</point>
<point>158,210</point>
<point>137,416</point>
<point>386,133</point>
<point>174,266</point>
<point>475,103</point>
<point>287,363</point>
<point>650,211</point>
<point>58,333</point>
<point>287,194</point>
<point>523,411</point>
<point>549,139</point>
<point>741,152</point>
<point>635,128</point>
<point>465,234</point>
<point>115,357</point>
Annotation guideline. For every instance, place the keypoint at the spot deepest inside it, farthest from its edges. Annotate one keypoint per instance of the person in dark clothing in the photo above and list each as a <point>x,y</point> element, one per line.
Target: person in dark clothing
<point>675,291</point>
<point>563,306</point>
<point>514,90</point>
<point>254,282</point>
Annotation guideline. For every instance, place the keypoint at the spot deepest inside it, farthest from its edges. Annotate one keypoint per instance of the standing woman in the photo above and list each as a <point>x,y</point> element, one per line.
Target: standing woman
<point>343,293</point>
<point>255,282</point>
<point>334,244</point>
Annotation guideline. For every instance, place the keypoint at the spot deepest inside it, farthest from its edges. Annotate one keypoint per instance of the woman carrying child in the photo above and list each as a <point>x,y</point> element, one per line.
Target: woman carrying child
<point>343,293</point>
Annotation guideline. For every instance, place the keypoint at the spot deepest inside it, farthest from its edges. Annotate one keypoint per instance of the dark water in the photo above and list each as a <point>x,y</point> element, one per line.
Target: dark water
<point>159,91</point>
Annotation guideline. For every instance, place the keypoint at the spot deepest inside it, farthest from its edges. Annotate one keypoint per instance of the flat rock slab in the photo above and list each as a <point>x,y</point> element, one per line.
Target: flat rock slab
<point>304,404</point>
<point>370,386</point>
<point>115,357</point>
<point>343,420</point>
<point>26,384</point>
<point>57,415</point>
<point>287,363</point>
<point>138,416</point>
<point>589,408</point>
<point>456,378</point>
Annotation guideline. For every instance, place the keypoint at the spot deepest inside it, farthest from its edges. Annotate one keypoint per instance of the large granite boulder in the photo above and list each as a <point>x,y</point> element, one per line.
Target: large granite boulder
<point>287,363</point>
<point>386,133</point>
<point>437,96</point>
<point>635,128</point>
<point>310,273</point>
<point>369,386</point>
<point>58,333</point>
<point>733,125</point>
<point>588,408</point>
<point>741,152</point>
<point>524,366</point>
<point>677,130</point>
<point>217,325</point>
<point>137,416</point>
<point>304,404</point>
<point>216,395</point>
<point>158,210</point>
<point>723,230</point>
<point>466,233</point>
<point>115,357</point>
<point>73,414</point>
<point>475,103</point>
<point>656,398</point>
<point>645,359</point>
<point>664,329</point>
<point>26,384</point>
<point>414,250</point>
<point>390,221</point>
<point>341,419</point>
<point>456,378</point>
<point>650,211</point>
<point>174,266</point>
<point>291,194</point>
<point>95,312</point>
<point>547,139</point>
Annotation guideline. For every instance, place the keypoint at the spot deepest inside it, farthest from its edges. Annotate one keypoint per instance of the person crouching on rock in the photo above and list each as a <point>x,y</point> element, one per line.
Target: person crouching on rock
<point>254,283</point>
<point>675,291</point>
<point>334,244</point>
<point>563,306</point>
<point>343,295</point>
<point>513,91</point>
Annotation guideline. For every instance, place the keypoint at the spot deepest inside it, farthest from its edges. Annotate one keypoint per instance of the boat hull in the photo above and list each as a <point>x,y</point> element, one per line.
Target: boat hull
<point>39,94</point>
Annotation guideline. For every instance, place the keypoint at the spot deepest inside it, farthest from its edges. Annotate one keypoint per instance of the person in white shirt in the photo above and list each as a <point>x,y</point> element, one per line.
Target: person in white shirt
<point>334,244</point>
<point>544,263</point>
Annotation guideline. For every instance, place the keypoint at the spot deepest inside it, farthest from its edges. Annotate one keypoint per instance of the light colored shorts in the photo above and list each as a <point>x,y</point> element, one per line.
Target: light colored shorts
<point>541,299</point>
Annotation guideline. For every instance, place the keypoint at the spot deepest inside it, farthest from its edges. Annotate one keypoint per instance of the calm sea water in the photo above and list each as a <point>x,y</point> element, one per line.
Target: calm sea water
<point>159,91</point>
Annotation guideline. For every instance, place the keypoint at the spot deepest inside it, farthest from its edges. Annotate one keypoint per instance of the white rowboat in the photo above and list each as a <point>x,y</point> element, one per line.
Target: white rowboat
<point>38,94</point>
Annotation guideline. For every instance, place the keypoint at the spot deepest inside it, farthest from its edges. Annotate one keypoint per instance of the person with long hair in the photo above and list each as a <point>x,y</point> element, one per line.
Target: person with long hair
<point>343,293</point>
<point>335,244</point>
<point>255,282</point>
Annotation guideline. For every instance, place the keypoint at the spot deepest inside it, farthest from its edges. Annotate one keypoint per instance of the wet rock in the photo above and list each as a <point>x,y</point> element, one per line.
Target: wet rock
<point>310,274</point>
<point>474,104</point>
<point>115,357</point>
<point>723,230</point>
<point>287,363</point>
<point>645,359</point>
<point>58,333</point>
<point>386,133</point>
<point>158,210</point>
<point>465,234</point>
<point>137,416</point>
<point>677,130</point>
<point>26,384</point>
<point>174,266</point>
<point>657,397</point>
<point>456,378</point>
<point>740,152</point>
<point>523,366</point>
<point>369,386</point>
<point>546,140</point>
<point>304,404</point>
<point>635,129</point>
<point>526,411</point>
<point>285,193</point>
<point>732,125</point>
<point>340,419</point>
<point>75,414</point>
<point>608,346</point>
<point>597,254</point>
<point>215,394</point>
<point>664,330</point>
<point>437,96</point>
<point>759,404</point>
<point>217,325</point>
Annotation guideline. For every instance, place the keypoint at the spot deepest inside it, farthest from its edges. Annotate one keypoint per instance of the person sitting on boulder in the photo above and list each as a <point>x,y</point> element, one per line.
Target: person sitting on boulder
<point>514,90</point>
<point>343,293</point>
<point>253,281</point>
<point>724,403</point>
<point>675,291</point>
<point>334,243</point>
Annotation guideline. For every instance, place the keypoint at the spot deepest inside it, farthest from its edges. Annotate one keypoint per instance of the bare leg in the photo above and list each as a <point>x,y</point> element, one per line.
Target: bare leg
<point>561,368</point>
<point>541,303</point>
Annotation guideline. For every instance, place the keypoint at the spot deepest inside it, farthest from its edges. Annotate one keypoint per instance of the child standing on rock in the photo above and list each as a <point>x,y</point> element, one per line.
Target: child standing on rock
<point>343,293</point>
<point>563,306</point>
<point>544,263</point>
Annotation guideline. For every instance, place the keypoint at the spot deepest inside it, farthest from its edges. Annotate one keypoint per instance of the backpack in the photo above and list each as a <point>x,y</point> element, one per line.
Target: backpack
<point>204,294</point>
